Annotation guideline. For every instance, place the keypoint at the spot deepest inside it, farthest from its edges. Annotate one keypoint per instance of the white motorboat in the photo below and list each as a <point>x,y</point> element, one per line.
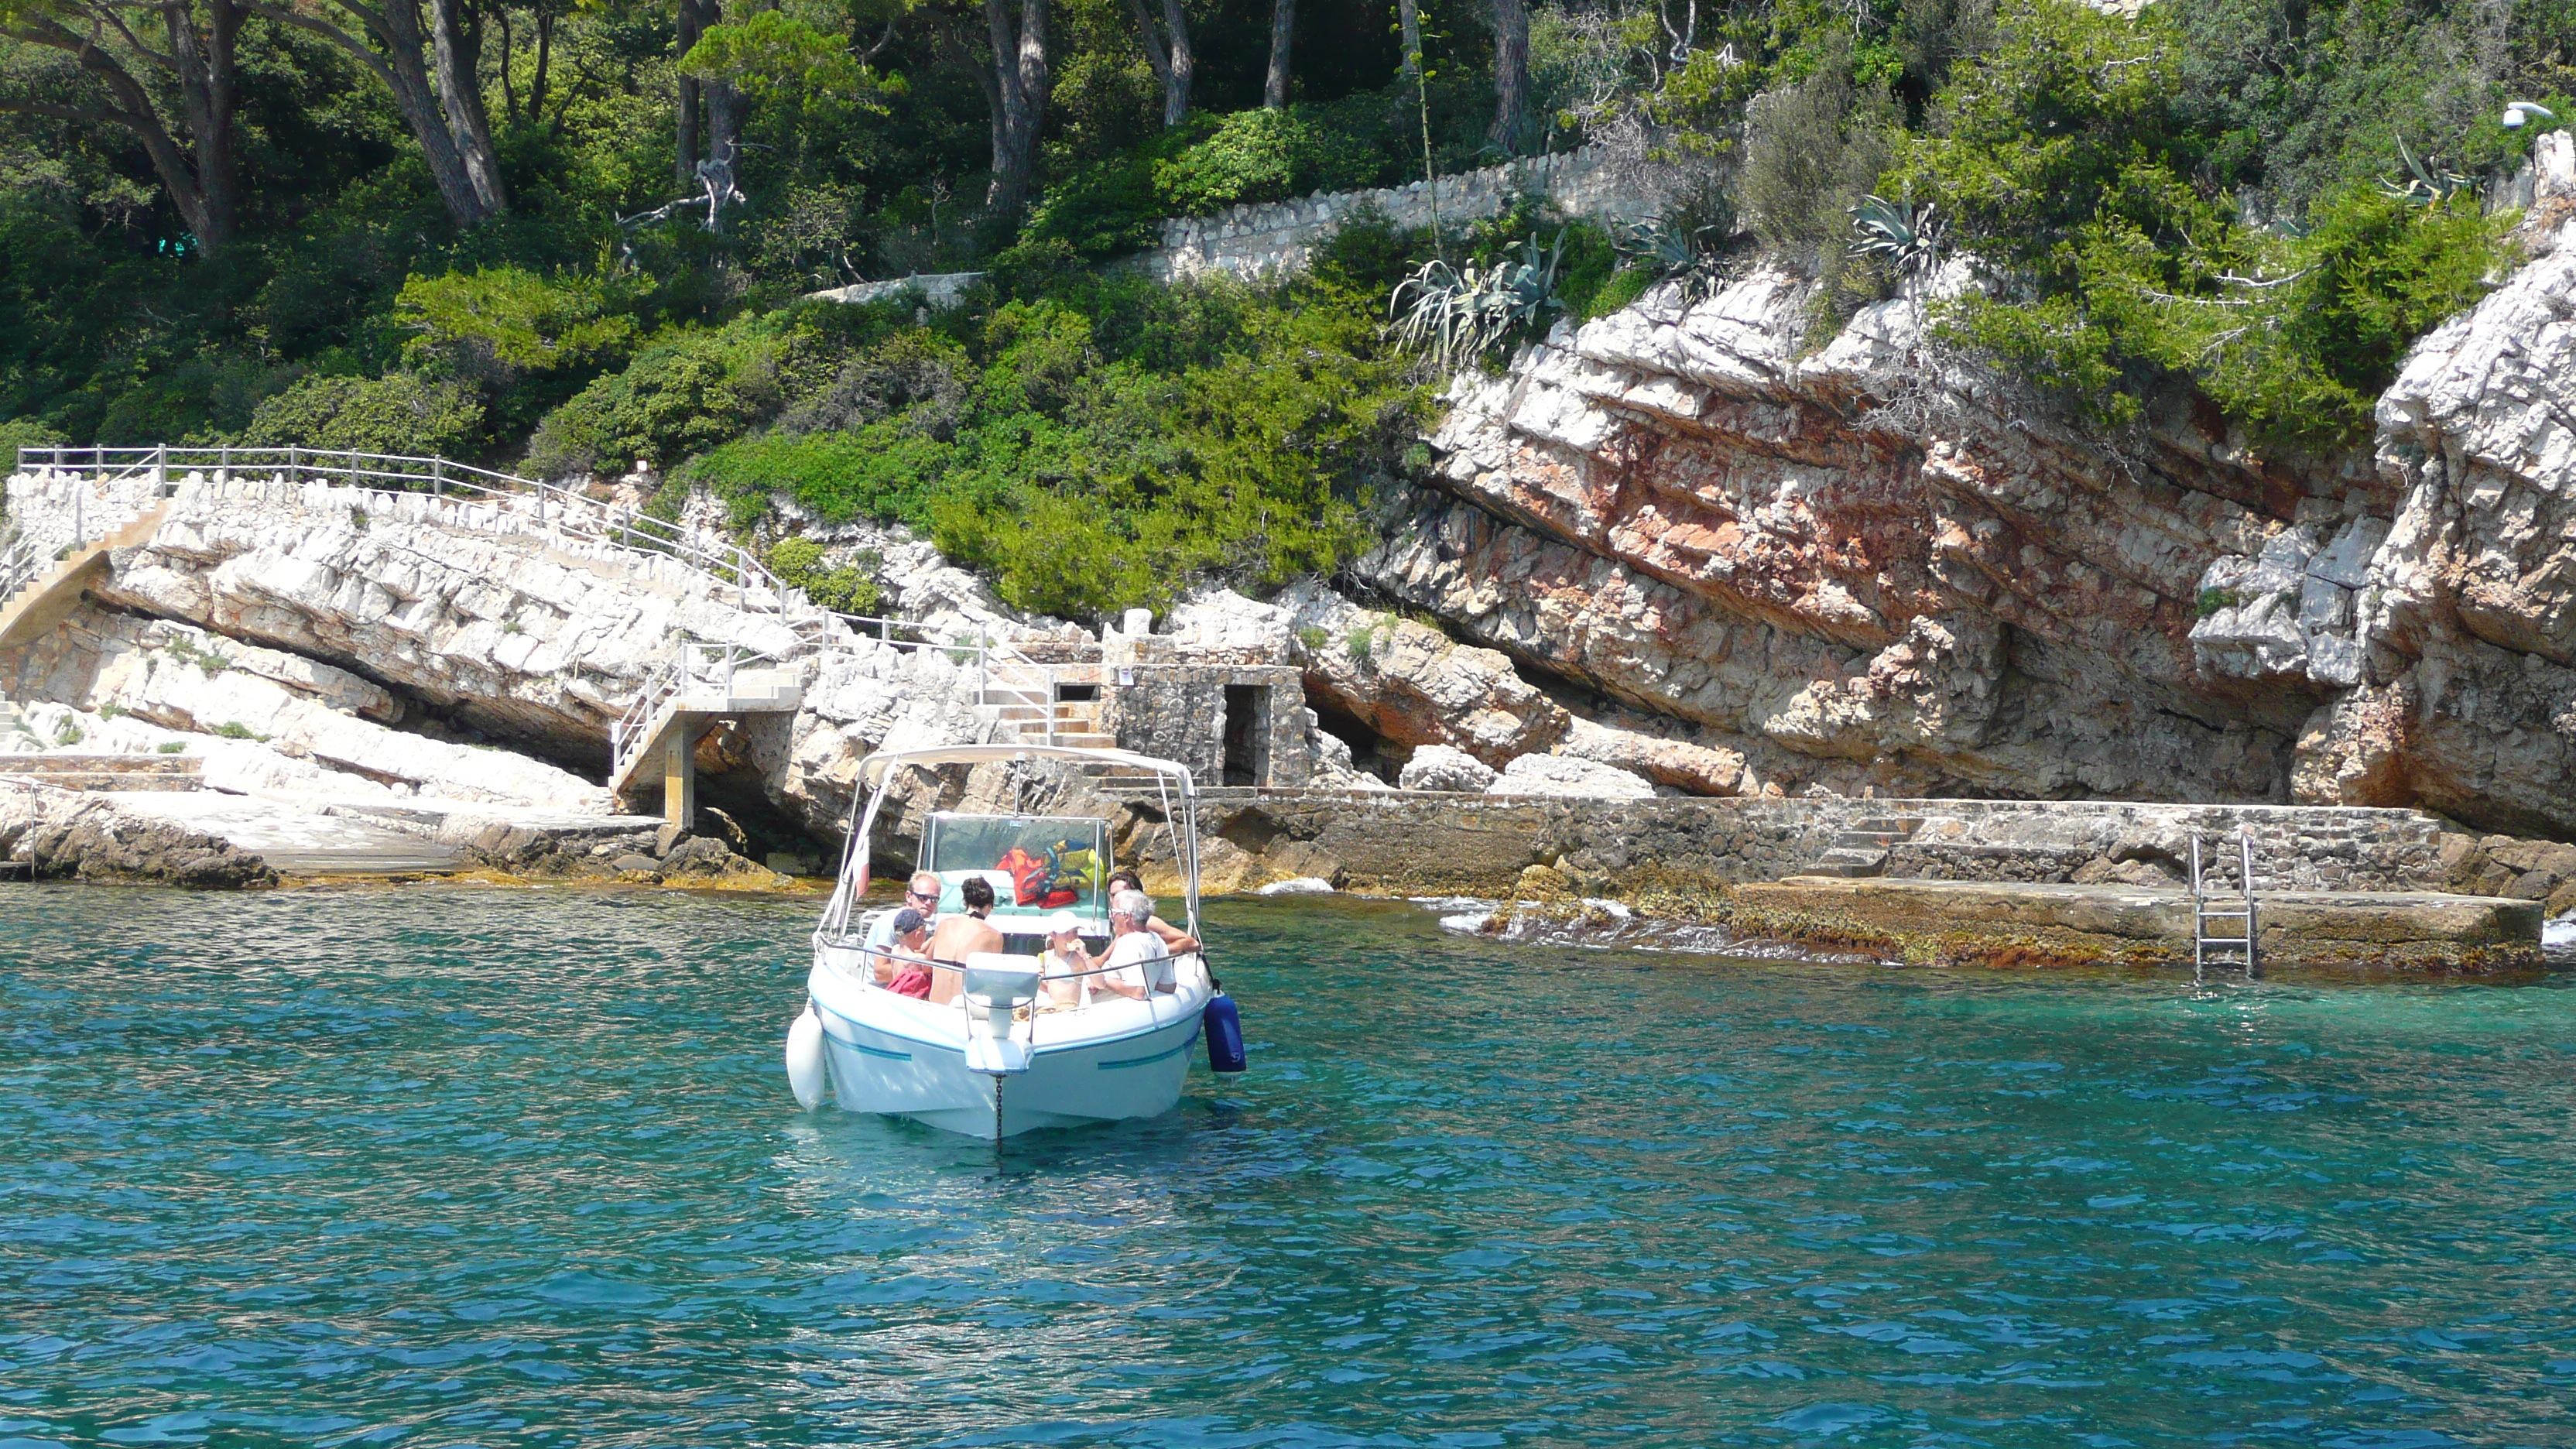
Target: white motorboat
<point>990,1052</point>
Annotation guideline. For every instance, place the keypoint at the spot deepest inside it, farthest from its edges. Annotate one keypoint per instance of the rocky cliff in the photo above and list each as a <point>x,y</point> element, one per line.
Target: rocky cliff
<point>1863,562</point>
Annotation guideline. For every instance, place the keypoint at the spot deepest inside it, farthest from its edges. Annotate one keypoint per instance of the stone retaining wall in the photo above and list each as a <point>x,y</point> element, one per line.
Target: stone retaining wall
<point>1426,842</point>
<point>1274,237</point>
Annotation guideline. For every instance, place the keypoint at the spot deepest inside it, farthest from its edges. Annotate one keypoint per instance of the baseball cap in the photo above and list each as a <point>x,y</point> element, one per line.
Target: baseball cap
<point>1061,922</point>
<point>908,920</point>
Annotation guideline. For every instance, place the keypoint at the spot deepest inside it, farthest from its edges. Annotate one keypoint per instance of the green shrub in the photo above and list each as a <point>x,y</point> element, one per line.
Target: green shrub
<point>1090,484</point>
<point>851,588</point>
<point>172,747</point>
<point>400,413</point>
<point>234,731</point>
<point>1312,637</point>
<point>19,433</point>
<point>502,322</point>
<point>2068,156</point>
<point>1585,269</point>
<point>687,392</point>
<point>1103,210</point>
<point>1621,289</point>
<point>884,471</point>
<point>1810,151</point>
<point>1255,156</point>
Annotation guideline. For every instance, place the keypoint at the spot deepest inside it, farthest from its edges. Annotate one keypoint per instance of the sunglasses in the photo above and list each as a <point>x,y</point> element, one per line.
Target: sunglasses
<point>921,895</point>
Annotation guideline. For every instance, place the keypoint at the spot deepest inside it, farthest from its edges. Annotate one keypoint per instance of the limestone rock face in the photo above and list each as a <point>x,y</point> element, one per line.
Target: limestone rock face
<point>1441,767</point>
<point>1872,563</point>
<point>263,720</point>
<point>516,633</point>
<point>1691,768</point>
<point>71,837</point>
<point>2466,614</point>
<point>1412,684</point>
<point>855,705</point>
<point>1565,775</point>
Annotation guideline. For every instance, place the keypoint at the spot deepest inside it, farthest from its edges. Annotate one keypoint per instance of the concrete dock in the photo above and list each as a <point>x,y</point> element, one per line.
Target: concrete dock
<point>2038,923</point>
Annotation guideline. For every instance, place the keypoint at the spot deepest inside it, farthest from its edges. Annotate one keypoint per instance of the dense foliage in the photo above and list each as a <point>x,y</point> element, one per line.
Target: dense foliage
<point>573,239</point>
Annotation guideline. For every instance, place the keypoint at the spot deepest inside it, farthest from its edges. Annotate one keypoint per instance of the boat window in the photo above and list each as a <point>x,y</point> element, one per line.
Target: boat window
<point>1037,864</point>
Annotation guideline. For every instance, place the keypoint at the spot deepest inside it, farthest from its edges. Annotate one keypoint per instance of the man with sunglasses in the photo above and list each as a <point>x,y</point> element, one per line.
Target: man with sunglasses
<point>921,893</point>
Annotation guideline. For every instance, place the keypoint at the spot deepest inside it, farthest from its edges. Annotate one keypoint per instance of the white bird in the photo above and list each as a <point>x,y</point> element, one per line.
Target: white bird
<point>2520,111</point>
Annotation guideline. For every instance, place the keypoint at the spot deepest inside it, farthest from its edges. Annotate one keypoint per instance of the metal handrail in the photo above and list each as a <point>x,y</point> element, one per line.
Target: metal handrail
<point>19,563</point>
<point>575,515</point>
<point>554,508</point>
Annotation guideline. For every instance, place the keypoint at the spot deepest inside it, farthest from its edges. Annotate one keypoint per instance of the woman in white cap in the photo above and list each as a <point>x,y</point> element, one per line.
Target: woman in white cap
<point>1065,963</point>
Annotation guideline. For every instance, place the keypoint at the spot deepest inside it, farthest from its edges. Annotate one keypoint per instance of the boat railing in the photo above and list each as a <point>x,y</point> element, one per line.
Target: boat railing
<point>858,970</point>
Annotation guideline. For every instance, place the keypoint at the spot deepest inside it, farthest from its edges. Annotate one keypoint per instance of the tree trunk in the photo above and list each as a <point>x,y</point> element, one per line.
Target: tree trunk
<point>545,54</point>
<point>1283,27</point>
<point>1020,93</point>
<point>509,54</point>
<point>1511,73</point>
<point>1185,65</point>
<point>457,47</point>
<point>692,24</point>
<point>717,174</point>
<point>394,53</point>
<point>1408,14</point>
<point>204,65</point>
<point>1168,52</point>
<point>202,176</point>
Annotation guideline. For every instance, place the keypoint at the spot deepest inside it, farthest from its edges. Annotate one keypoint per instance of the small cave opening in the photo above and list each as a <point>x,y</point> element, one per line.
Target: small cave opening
<point>1370,750</point>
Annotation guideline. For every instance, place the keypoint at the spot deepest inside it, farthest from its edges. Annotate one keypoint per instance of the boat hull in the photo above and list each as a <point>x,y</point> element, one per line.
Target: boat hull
<point>890,1065</point>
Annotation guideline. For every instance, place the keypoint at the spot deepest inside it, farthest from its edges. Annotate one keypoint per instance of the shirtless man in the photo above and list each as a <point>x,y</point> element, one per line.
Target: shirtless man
<point>961,936</point>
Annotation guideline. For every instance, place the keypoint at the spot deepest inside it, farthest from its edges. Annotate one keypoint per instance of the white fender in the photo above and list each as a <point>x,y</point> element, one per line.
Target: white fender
<point>805,1074</point>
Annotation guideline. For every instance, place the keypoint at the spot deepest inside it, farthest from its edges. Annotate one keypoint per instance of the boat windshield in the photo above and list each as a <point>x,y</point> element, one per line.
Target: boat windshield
<point>1038,864</point>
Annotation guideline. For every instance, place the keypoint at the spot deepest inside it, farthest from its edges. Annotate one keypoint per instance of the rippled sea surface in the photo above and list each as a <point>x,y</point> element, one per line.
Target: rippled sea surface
<point>444,1166</point>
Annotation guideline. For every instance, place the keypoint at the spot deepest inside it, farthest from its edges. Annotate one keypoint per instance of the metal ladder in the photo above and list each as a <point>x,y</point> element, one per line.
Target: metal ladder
<point>2201,914</point>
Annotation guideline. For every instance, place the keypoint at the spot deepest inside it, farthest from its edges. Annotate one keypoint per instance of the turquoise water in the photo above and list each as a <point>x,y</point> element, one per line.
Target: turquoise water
<point>444,1167</point>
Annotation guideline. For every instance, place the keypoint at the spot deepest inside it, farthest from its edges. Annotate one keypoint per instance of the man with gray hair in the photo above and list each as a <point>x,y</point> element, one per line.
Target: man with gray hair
<point>1136,964</point>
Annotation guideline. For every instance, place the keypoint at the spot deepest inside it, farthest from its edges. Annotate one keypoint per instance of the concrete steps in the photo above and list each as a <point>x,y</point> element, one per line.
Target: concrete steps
<point>1036,717</point>
<point>1861,852</point>
<point>42,601</point>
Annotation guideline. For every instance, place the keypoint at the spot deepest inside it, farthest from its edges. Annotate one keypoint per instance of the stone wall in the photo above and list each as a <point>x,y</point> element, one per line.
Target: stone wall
<point>940,290</point>
<point>1427,842</point>
<point>1180,712</point>
<point>1276,236</point>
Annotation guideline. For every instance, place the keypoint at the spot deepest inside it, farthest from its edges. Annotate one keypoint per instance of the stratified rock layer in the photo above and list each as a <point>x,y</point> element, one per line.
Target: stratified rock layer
<point>1872,565</point>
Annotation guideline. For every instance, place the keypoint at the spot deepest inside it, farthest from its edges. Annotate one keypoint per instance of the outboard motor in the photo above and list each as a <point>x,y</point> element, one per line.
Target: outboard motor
<point>1000,984</point>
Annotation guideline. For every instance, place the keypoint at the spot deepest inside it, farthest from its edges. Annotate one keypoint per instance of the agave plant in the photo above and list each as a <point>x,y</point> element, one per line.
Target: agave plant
<point>1458,314</point>
<point>2428,182</point>
<point>1673,254</point>
<point>1906,235</point>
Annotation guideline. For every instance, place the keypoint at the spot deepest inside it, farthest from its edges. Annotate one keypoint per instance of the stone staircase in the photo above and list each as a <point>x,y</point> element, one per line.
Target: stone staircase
<point>1019,698</point>
<point>41,591</point>
<point>66,771</point>
<point>1028,699</point>
<point>1862,850</point>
